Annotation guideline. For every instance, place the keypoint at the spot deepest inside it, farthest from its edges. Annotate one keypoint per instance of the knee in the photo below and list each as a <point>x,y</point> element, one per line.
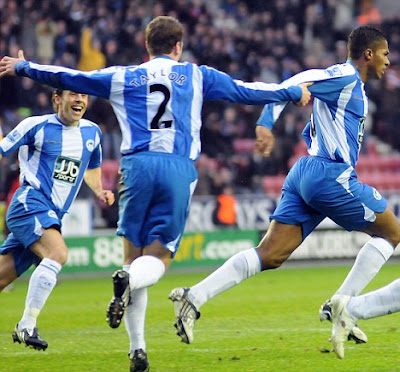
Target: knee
<point>270,260</point>
<point>62,257</point>
<point>273,263</point>
<point>395,239</point>
<point>59,255</point>
<point>4,282</point>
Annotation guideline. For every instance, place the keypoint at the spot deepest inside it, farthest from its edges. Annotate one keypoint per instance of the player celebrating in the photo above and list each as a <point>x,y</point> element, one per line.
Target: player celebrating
<point>321,185</point>
<point>56,153</point>
<point>158,105</point>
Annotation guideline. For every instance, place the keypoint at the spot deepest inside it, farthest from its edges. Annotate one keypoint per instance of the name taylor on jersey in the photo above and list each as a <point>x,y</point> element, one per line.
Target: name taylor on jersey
<point>173,76</point>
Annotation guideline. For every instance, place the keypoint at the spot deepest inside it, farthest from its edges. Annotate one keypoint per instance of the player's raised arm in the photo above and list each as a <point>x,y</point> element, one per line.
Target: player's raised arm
<point>96,83</point>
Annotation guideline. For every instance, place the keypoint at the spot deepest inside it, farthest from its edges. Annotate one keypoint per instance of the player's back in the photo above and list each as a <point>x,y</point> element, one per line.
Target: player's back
<point>158,105</point>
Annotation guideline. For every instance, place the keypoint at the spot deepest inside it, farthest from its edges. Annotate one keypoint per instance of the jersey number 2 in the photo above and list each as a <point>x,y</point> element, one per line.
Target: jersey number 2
<point>156,123</point>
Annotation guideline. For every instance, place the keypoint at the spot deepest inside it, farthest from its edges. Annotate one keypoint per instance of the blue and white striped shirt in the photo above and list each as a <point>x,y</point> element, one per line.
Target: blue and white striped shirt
<point>336,128</point>
<point>53,157</point>
<point>158,103</point>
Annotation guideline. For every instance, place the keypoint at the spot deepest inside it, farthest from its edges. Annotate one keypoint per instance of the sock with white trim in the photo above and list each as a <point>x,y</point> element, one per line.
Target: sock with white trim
<point>239,267</point>
<point>135,315</point>
<point>383,301</point>
<point>370,259</point>
<point>41,283</point>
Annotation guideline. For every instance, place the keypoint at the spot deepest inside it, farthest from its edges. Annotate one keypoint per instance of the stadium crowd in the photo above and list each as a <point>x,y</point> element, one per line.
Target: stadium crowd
<point>251,40</point>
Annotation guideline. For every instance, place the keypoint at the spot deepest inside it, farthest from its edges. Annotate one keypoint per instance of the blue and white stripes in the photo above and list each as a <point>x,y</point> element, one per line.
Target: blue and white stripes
<point>158,103</point>
<point>53,157</point>
<point>340,106</point>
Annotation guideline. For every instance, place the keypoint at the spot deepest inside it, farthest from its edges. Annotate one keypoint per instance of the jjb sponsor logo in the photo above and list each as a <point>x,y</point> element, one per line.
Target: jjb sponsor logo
<point>66,169</point>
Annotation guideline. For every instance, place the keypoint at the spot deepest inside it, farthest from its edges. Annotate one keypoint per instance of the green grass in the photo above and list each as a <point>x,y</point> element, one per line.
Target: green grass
<point>268,323</point>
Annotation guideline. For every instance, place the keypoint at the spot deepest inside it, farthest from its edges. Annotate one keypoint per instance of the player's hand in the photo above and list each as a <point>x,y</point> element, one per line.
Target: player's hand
<point>106,196</point>
<point>265,141</point>
<point>306,95</point>
<point>7,64</point>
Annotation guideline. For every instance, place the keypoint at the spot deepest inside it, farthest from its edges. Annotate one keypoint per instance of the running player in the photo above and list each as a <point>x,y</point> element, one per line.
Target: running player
<point>321,185</point>
<point>56,153</point>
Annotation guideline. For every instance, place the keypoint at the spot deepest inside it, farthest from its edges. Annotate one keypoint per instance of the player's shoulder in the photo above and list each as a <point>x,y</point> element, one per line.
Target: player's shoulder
<point>86,123</point>
<point>341,69</point>
<point>40,120</point>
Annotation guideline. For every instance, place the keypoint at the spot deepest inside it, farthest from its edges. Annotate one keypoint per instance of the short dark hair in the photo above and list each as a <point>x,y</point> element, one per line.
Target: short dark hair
<point>162,34</point>
<point>362,38</point>
<point>56,92</point>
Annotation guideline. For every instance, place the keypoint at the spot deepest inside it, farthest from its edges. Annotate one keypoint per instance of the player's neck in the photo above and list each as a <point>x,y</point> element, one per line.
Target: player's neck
<point>361,67</point>
<point>170,55</point>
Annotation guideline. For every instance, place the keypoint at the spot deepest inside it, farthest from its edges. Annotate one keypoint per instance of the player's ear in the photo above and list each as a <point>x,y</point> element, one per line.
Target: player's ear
<point>368,54</point>
<point>55,99</point>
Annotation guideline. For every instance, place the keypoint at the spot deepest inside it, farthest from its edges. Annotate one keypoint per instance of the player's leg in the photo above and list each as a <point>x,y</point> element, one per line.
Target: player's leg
<point>145,271</point>
<point>347,310</point>
<point>8,272</point>
<point>279,242</point>
<point>15,259</point>
<point>155,209</point>
<point>366,210</point>
<point>147,267</point>
<point>292,221</point>
<point>35,231</point>
<point>154,202</point>
<point>52,250</point>
<point>142,268</point>
<point>134,202</point>
<point>385,235</point>
<point>382,301</point>
<point>372,256</point>
<point>355,206</point>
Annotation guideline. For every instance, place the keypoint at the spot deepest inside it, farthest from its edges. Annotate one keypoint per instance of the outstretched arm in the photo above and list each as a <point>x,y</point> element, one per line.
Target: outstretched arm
<point>92,178</point>
<point>219,85</point>
<point>96,83</point>
<point>323,84</point>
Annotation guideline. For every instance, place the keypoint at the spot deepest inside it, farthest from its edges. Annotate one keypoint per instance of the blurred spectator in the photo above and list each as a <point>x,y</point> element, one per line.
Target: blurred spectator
<point>46,31</point>
<point>369,14</point>
<point>92,58</point>
<point>225,211</point>
<point>215,140</point>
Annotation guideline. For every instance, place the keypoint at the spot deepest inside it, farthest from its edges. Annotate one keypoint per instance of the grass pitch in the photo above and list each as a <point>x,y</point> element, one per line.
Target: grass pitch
<point>268,323</point>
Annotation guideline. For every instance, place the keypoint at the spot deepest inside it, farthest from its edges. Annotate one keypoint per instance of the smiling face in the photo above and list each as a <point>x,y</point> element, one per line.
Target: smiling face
<point>379,60</point>
<point>70,106</point>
